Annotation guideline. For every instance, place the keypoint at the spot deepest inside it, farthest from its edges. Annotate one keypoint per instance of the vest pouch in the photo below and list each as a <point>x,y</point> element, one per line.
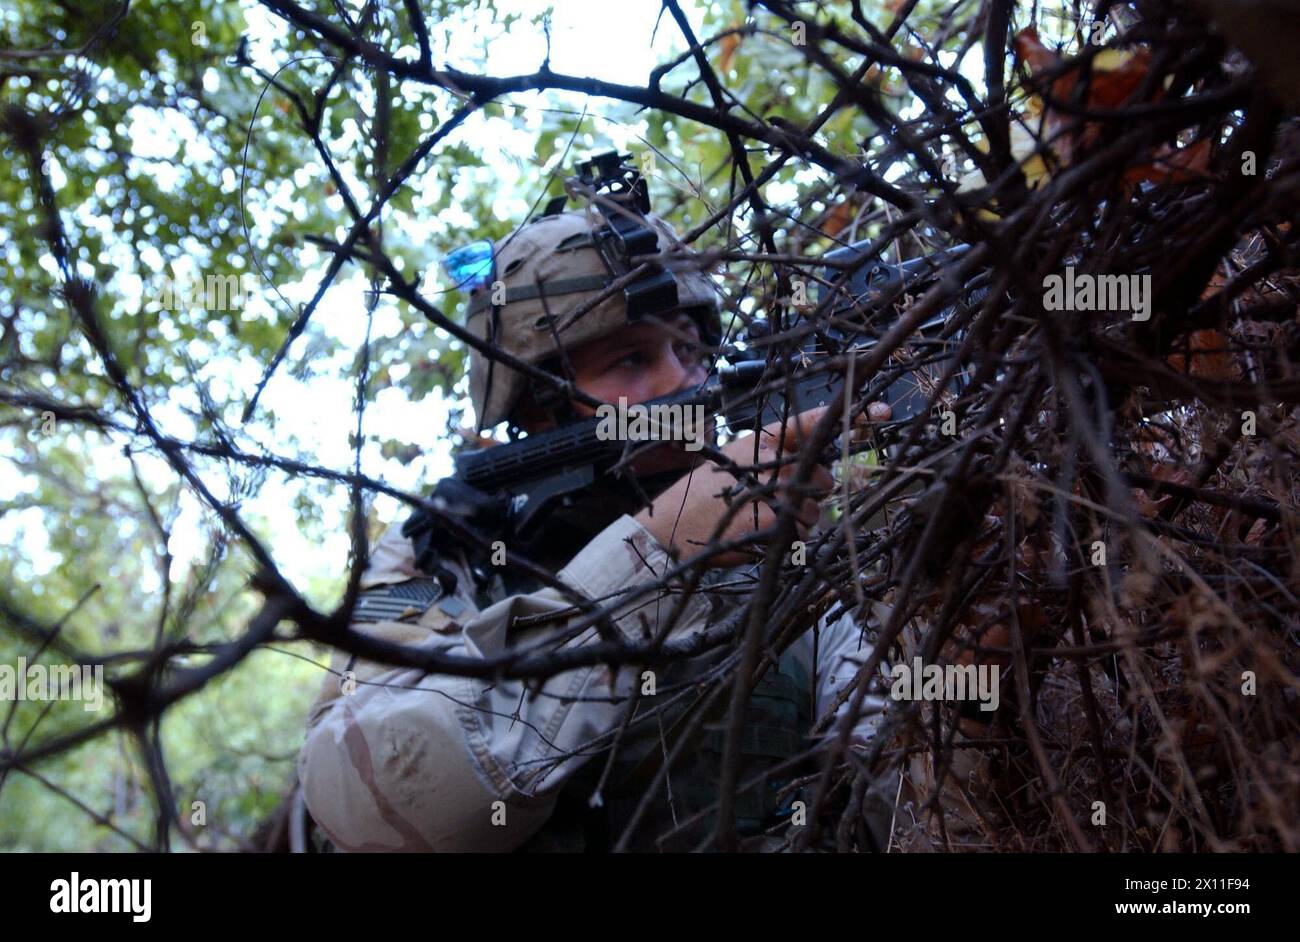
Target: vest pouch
<point>776,724</point>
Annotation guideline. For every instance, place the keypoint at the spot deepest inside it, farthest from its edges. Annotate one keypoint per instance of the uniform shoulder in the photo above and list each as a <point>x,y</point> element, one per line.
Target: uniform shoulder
<point>392,559</point>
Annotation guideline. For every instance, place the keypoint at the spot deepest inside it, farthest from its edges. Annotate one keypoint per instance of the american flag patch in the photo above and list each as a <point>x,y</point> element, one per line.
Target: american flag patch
<point>397,602</point>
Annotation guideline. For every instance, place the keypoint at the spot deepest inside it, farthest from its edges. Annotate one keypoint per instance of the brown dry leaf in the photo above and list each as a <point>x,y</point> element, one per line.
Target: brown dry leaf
<point>1152,441</point>
<point>1171,473</point>
<point>1115,75</point>
<point>1217,281</point>
<point>983,615</point>
<point>1148,506</point>
<point>1279,285</point>
<point>728,46</point>
<point>838,219</point>
<point>1209,353</point>
<point>1174,166</point>
<point>1037,56</point>
<point>1115,78</point>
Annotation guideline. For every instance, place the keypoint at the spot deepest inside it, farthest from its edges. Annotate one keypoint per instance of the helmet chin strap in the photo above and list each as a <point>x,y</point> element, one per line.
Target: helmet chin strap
<point>553,402</point>
<point>557,409</point>
<point>492,337</point>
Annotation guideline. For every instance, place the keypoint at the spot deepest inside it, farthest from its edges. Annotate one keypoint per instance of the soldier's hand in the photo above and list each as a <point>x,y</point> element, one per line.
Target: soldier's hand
<point>685,516</point>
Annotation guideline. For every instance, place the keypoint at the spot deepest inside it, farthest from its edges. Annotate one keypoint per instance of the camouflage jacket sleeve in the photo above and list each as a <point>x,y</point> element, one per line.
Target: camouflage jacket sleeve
<point>398,760</point>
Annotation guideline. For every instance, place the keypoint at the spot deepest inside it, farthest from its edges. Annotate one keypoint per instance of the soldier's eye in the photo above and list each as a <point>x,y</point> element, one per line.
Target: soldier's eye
<point>688,354</point>
<point>630,360</point>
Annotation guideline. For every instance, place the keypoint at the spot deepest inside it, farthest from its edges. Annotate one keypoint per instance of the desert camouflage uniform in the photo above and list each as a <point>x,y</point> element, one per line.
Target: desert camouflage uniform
<point>397,760</point>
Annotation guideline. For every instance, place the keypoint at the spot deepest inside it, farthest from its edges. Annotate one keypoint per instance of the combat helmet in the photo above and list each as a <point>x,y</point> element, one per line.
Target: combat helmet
<point>548,273</point>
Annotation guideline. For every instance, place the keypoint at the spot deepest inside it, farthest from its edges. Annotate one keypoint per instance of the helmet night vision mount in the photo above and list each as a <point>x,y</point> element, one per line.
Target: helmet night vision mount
<point>617,191</point>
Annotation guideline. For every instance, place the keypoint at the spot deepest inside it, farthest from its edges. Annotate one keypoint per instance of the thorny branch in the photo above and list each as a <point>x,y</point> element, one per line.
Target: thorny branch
<point>1073,428</point>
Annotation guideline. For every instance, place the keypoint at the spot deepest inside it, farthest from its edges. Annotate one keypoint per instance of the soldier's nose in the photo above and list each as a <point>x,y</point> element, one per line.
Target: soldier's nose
<point>694,373</point>
<point>674,375</point>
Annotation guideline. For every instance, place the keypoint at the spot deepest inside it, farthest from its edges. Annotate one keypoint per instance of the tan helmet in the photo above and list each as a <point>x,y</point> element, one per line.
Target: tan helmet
<point>552,266</point>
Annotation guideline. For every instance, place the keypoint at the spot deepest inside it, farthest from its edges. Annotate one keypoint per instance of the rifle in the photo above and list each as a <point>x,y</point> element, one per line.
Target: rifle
<point>563,475</point>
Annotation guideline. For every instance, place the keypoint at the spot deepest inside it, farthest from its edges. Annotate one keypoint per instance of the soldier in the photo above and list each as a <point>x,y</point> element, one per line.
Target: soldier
<point>399,760</point>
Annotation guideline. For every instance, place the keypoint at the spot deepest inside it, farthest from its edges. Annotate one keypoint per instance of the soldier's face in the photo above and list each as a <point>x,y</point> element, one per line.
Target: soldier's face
<point>642,362</point>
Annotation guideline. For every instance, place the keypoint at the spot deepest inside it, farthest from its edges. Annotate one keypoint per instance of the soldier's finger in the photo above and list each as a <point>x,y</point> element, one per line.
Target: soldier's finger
<point>820,481</point>
<point>809,513</point>
<point>797,429</point>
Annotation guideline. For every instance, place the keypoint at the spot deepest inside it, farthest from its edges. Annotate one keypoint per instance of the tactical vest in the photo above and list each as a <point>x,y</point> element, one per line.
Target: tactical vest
<point>777,719</point>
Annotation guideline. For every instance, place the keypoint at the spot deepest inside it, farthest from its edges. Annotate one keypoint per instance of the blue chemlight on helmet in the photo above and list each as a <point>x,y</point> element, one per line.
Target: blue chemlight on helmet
<point>470,265</point>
